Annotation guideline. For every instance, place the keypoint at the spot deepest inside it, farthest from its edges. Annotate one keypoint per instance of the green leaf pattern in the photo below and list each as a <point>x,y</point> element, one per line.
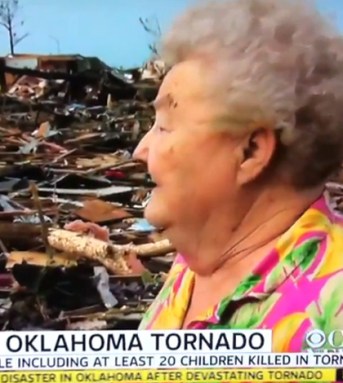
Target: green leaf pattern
<point>246,285</point>
<point>302,256</point>
<point>326,313</point>
<point>251,315</point>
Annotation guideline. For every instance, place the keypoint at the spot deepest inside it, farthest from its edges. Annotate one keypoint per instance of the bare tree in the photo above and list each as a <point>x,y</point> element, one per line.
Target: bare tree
<point>152,26</point>
<point>9,20</point>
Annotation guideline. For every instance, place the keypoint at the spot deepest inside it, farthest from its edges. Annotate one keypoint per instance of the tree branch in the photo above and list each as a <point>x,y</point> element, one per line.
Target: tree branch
<point>4,25</point>
<point>8,14</point>
<point>17,40</point>
<point>155,31</point>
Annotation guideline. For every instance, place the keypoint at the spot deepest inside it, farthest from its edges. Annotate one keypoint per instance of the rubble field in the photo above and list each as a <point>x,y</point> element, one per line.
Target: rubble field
<point>65,155</point>
<point>68,126</point>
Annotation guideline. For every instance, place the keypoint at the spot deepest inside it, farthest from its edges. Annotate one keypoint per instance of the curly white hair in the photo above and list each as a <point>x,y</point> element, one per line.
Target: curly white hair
<point>279,62</point>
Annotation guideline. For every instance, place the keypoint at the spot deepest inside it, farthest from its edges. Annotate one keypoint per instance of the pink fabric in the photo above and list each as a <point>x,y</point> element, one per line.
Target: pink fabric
<point>297,287</point>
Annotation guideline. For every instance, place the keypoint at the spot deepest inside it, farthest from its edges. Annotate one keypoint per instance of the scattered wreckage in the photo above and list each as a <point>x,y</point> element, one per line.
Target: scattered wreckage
<point>67,135</point>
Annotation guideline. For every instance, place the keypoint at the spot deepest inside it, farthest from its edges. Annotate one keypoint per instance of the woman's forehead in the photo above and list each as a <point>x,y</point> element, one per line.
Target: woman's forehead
<point>186,82</point>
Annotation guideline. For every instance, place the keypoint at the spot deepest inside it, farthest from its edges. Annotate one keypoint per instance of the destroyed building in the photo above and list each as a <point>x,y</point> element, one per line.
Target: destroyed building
<point>66,77</point>
<point>68,125</point>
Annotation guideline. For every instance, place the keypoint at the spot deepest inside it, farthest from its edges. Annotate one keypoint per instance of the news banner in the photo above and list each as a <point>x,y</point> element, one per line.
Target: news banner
<point>165,356</point>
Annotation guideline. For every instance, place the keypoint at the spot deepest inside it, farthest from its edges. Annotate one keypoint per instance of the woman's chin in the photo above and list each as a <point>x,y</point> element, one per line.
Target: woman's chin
<point>156,213</point>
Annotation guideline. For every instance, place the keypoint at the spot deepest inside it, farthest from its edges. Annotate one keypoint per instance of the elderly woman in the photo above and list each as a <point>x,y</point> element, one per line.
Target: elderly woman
<point>249,126</point>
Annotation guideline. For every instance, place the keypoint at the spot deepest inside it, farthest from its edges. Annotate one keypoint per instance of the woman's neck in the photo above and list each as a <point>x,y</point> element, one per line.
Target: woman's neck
<point>233,239</point>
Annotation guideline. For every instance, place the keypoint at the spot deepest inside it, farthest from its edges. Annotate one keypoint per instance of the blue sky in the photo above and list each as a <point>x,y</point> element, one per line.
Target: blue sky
<point>109,29</point>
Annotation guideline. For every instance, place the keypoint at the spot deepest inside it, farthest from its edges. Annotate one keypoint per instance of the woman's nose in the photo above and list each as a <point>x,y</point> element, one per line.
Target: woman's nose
<point>142,149</point>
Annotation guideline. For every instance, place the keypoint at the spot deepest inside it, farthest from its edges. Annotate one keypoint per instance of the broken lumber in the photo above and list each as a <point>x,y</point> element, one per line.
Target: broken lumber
<point>80,245</point>
<point>113,257</point>
<point>154,249</point>
<point>10,230</point>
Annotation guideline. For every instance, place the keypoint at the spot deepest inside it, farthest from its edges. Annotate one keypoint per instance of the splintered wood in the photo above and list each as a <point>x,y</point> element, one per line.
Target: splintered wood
<point>78,151</point>
<point>81,245</point>
<point>154,249</point>
<point>113,257</point>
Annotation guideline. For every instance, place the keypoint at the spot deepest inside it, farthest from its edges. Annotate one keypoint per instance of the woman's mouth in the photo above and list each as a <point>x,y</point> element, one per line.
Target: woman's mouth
<point>150,182</point>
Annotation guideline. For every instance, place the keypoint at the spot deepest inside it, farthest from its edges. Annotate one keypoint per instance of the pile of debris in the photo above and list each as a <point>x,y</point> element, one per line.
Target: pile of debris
<point>65,155</point>
<point>68,127</point>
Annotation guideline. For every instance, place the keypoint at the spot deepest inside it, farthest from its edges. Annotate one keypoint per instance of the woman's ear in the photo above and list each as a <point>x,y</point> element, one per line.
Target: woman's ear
<point>256,152</point>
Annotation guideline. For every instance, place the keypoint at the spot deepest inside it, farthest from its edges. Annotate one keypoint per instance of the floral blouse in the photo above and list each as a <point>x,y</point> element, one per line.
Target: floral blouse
<point>296,288</point>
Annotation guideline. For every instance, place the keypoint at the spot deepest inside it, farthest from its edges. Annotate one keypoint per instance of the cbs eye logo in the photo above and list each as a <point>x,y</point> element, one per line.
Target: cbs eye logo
<point>317,338</point>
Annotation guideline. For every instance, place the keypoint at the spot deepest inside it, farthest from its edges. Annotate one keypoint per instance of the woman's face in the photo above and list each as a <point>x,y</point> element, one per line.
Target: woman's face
<point>192,164</point>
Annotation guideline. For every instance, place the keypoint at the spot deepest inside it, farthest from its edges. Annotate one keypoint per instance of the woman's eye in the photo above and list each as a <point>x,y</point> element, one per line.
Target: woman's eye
<point>161,129</point>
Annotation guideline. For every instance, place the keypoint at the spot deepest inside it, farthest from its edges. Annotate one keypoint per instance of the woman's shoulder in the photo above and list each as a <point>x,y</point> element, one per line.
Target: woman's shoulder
<point>179,262</point>
<point>166,310</point>
<point>310,302</point>
<point>306,326</point>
